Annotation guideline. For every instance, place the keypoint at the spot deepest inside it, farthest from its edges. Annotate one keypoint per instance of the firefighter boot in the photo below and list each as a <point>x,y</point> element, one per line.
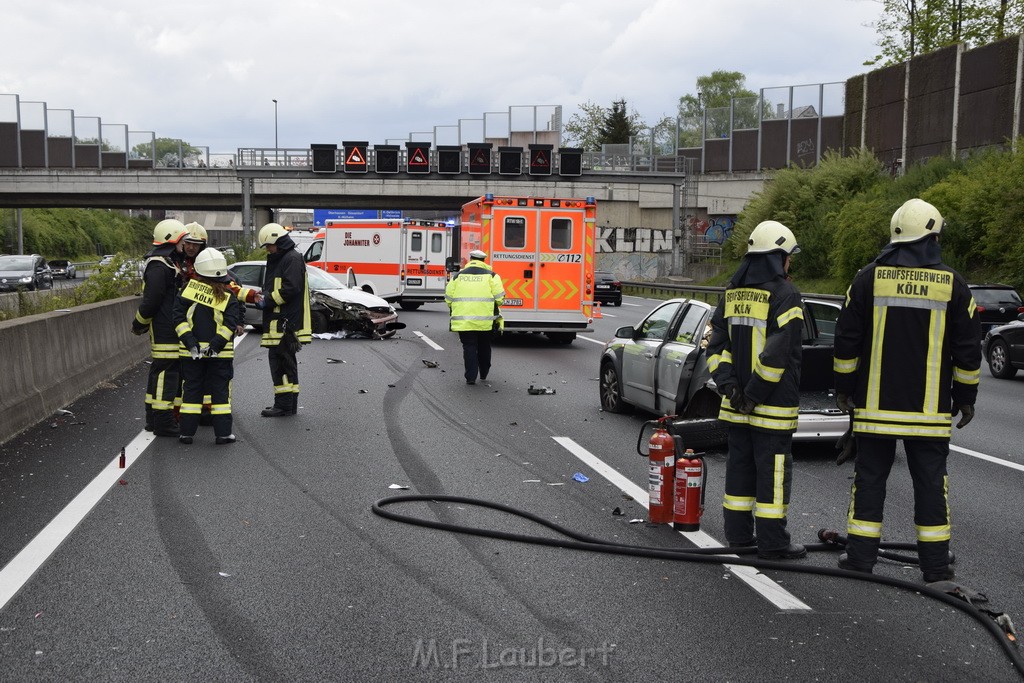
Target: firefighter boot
<point>164,423</point>
<point>293,403</point>
<point>282,406</point>
<point>861,554</point>
<point>934,557</point>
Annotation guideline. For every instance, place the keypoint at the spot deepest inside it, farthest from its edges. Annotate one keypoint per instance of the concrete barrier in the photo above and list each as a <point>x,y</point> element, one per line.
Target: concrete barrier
<point>50,359</point>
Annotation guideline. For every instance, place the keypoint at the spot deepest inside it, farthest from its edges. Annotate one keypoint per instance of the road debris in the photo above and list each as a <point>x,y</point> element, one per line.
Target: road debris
<point>399,487</point>
<point>430,363</point>
<point>336,360</point>
<point>581,478</point>
<point>617,512</point>
<point>537,391</point>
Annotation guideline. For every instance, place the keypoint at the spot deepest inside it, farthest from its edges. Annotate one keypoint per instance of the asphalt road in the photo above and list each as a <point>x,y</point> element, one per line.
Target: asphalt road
<point>263,560</point>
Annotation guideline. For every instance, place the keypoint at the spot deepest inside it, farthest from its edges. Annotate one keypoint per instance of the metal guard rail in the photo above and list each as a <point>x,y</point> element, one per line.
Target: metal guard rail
<point>711,295</point>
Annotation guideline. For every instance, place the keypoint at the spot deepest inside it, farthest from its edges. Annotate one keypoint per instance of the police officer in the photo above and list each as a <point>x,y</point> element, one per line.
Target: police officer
<point>155,315</point>
<point>286,322</point>
<point>754,355</point>
<point>205,315</point>
<point>473,297</point>
<point>907,360</point>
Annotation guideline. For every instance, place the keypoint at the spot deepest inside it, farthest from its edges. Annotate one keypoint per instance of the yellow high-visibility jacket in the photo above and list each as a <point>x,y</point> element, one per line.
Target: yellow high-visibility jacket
<point>473,296</point>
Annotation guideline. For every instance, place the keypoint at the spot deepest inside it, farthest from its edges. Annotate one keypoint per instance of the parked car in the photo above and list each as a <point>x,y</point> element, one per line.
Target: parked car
<point>29,271</point>
<point>607,288</point>
<point>660,366</point>
<point>229,252</point>
<point>997,304</point>
<point>332,305</point>
<point>63,268</point>
<point>106,260</point>
<point>1003,348</point>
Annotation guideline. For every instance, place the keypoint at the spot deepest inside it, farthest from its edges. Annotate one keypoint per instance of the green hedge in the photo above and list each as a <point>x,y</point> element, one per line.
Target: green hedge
<point>77,234</point>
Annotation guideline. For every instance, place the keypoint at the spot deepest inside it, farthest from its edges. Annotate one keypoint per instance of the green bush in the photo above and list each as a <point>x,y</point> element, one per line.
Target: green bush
<point>77,233</point>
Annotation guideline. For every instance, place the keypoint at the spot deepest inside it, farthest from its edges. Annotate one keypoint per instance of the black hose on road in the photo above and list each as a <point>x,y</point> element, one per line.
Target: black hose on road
<point>706,555</point>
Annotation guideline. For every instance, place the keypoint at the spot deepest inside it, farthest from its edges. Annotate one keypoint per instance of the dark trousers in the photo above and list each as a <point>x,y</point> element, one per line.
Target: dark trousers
<point>162,385</point>
<point>926,460</point>
<point>476,353</point>
<point>206,377</point>
<point>758,478</point>
<point>284,371</point>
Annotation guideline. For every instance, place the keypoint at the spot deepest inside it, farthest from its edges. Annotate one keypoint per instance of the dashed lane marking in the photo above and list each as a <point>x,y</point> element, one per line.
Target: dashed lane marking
<point>590,339</point>
<point>428,341</point>
<point>989,458</point>
<point>770,590</point>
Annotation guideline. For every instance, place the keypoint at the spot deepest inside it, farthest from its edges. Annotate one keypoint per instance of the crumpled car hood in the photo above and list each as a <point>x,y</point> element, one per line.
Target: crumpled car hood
<point>355,296</point>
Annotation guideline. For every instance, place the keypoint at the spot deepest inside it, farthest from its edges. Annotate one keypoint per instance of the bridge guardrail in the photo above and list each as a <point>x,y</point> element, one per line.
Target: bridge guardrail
<point>665,290</point>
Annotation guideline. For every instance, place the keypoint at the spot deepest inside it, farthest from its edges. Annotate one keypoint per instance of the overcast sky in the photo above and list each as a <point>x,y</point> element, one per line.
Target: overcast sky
<point>206,71</point>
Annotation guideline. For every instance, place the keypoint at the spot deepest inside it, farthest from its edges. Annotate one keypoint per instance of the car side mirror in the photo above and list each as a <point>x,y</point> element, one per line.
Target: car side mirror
<point>627,331</point>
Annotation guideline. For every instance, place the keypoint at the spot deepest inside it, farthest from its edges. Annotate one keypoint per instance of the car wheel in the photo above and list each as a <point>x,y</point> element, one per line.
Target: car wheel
<point>410,305</point>
<point>611,391</point>
<point>618,302</point>
<point>317,322</point>
<point>999,361</point>
<point>707,432</point>
<point>561,337</point>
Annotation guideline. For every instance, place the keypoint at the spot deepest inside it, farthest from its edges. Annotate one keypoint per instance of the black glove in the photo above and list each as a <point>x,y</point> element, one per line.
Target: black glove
<point>744,406</point>
<point>845,403</point>
<point>139,329</point>
<point>967,414</point>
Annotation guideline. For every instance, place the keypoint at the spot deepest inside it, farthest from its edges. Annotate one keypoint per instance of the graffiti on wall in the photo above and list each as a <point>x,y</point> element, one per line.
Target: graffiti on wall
<point>628,240</point>
<point>714,229</point>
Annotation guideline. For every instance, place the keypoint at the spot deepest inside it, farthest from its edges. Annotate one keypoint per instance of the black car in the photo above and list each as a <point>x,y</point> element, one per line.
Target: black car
<point>29,272</point>
<point>607,288</point>
<point>1003,347</point>
<point>997,304</point>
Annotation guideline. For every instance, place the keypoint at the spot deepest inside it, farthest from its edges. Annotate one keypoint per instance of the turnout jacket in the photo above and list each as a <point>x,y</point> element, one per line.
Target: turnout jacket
<point>201,321</point>
<point>473,297</point>
<point>756,345</point>
<point>286,291</point>
<point>156,310</point>
<point>907,347</point>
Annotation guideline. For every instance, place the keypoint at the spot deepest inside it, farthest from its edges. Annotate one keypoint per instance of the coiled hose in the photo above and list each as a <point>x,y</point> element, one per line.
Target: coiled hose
<point>708,555</point>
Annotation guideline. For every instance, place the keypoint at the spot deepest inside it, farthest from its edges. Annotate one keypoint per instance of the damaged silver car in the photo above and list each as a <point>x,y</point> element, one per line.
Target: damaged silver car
<point>332,305</point>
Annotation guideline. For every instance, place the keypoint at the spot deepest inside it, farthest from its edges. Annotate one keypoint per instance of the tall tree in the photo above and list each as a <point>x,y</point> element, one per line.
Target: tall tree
<point>908,28</point>
<point>617,128</point>
<point>715,93</point>
<point>584,128</point>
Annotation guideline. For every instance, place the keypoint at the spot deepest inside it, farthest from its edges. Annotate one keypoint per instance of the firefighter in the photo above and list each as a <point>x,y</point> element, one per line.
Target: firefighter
<point>205,315</point>
<point>907,361</point>
<point>286,322</point>
<point>195,243</point>
<point>161,271</point>
<point>754,355</point>
<point>473,297</point>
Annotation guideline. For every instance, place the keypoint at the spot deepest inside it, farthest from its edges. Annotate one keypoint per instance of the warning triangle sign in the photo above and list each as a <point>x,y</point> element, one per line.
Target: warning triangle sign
<point>418,158</point>
<point>540,158</point>
<point>355,157</point>
<point>480,158</point>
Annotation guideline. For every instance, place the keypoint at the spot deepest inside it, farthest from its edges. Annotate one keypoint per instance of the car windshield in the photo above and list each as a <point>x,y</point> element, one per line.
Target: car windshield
<point>58,263</point>
<point>15,263</point>
<point>995,296</point>
<point>319,279</point>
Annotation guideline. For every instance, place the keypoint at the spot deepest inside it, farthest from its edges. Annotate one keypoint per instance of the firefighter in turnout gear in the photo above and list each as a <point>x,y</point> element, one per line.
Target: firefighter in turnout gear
<point>205,315</point>
<point>155,315</point>
<point>907,361</point>
<point>195,243</point>
<point>754,356</point>
<point>286,321</point>
<point>473,297</point>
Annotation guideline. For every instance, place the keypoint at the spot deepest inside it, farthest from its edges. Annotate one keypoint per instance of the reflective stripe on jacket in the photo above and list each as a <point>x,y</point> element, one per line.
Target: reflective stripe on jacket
<point>473,296</point>
<point>199,325</point>
<point>286,290</point>
<point>756,345</point>
<point>908,348</point>
<point>159,290</point>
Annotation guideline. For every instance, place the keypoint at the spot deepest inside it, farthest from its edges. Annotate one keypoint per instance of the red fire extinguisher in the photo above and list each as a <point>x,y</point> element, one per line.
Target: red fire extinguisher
<point>688,503</point>
<point>661,470</point>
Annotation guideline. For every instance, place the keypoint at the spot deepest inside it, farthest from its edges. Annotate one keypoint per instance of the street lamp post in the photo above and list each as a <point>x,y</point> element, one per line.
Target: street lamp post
<point>275,128</point>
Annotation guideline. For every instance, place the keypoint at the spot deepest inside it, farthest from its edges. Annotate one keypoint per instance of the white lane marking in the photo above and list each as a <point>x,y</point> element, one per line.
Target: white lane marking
<point>771,591</point>
<point>591,340</point>
<point>982,456</point>
<point>428,341</point>
<point>626,303</point>
<point>27,562</point>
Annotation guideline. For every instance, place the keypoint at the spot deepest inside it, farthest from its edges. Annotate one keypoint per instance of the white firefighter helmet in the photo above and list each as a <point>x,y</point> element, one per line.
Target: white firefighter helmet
<point>169,231</point>
<point>915,220</point>
<point>196,233</point>
<point>212,264</point>
<point>771,236</point>
<point>270,233</point>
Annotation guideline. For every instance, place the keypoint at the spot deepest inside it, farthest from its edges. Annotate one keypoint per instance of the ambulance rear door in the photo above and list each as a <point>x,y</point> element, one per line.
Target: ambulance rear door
<point>425,246</point>
<point>562,258</point>
<point>513,246</point>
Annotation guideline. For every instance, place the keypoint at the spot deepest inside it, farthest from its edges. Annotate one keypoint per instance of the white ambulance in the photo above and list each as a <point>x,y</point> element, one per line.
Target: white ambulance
<point>400,261</point>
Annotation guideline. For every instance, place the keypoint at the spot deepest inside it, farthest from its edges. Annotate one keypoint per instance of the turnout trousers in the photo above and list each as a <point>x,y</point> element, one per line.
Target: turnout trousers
<point>758,478</point>
<point>476,353</point>
<point>926,459</point>
<point>206,377</point>
<point>162,392</point>
<point>284,371</point>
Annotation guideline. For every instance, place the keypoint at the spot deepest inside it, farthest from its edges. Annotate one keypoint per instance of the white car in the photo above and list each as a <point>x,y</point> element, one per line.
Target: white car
<point>332,305</point>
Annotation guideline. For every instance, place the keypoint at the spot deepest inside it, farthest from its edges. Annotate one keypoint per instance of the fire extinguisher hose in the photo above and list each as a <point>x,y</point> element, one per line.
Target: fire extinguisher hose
<point>576,541</point>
